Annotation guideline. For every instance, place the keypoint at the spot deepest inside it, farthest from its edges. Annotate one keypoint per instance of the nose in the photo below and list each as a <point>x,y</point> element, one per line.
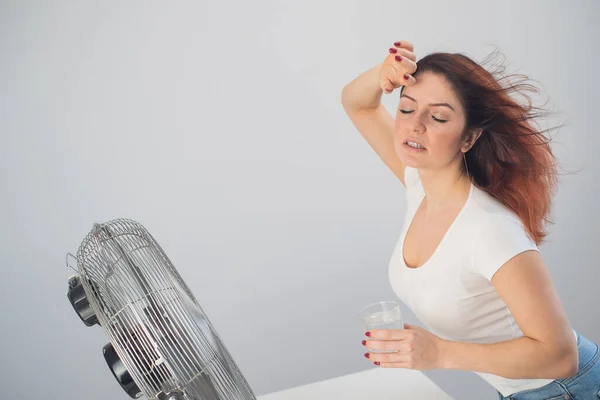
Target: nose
<point>418,126</point>
<point>416,122</point>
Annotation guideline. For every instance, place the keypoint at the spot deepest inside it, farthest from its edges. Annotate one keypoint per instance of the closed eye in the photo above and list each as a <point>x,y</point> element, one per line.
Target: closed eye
<point>443,121</point>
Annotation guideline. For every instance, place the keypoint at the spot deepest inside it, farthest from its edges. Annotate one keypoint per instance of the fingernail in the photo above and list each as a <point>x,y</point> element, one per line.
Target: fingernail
<point>364,342</point>
<point>398,58</point>
<point>376,363</point>
<point>368,333</point>
<point>393,51</point>
<point>367,355</point>
<point>397,44</point>
<point>405,77</point>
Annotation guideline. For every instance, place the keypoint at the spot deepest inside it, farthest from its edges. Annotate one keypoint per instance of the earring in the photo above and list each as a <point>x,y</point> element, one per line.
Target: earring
<point>466,166</point>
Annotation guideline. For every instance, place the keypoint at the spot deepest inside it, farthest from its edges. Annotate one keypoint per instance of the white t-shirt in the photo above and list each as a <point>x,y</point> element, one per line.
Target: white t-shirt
<point>452,294</point>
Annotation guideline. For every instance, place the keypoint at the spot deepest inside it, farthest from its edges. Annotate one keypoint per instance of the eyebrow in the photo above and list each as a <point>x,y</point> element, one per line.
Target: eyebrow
<point>432,104</point>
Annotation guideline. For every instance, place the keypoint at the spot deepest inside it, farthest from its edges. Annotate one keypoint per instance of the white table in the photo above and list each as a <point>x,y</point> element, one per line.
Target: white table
<point>372,384</point>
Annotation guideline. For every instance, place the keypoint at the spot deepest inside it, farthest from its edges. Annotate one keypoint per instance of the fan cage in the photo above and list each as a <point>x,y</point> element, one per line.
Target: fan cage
<point>158,329</point>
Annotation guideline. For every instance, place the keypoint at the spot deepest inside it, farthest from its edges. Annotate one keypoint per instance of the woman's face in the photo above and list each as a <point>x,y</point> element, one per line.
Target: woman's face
<point>431,115</point>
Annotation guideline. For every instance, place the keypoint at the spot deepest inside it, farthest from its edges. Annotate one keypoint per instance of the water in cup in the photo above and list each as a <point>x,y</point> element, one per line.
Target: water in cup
<point>383,320</point>
<point>381,315</point>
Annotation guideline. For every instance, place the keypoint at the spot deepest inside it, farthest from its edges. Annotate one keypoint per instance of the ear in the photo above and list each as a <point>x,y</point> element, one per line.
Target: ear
<point>470,140</point>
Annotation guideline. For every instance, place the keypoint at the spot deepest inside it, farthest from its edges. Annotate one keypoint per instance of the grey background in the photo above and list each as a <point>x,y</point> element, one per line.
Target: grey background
<point>218,125</point>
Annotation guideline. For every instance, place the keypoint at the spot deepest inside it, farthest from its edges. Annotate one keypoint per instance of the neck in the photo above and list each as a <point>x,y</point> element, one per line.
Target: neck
<point>444,188</point>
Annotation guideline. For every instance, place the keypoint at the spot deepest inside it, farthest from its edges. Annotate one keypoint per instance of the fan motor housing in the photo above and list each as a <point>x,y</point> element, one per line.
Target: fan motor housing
<point>80,303</point>
<point>120,372</point>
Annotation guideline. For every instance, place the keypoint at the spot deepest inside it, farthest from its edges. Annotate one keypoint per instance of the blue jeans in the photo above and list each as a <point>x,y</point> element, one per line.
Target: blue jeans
<point>584,385</point>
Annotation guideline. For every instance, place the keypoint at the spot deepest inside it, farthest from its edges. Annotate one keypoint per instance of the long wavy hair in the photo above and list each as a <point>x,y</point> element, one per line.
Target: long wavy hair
<point>512,159</point>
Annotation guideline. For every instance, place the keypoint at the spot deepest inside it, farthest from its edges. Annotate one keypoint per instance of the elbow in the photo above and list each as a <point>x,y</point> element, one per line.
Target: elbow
<point>562,357</point>
<point>346,99</point>
<point>344,95</point>
<point>569,369</point>
<point>346,105</point>
<point>569,364</point>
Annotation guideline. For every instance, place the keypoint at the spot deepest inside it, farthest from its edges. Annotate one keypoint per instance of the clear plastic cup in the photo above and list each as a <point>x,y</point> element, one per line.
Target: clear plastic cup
<point>381,315</point>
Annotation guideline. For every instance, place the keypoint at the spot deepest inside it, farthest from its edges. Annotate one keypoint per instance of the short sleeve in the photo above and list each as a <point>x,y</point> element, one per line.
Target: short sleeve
<point>502,237</point>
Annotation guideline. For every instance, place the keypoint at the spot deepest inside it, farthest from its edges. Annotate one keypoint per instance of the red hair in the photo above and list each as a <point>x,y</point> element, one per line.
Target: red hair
<point>512,159</point>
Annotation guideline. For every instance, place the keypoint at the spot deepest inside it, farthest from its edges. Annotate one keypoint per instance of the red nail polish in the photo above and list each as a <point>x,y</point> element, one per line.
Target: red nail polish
<point>398,58</point>
<point>368,333</point>
<point>364,342</point>
<point>367,355</point>
<point>377,363</point>
<point>405,77</point>
<point>397,44</point>
<point>394,51</point>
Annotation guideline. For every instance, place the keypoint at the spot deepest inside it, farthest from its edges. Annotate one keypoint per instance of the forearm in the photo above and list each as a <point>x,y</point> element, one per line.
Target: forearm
<point>519,358</point>
<point>364,92</point>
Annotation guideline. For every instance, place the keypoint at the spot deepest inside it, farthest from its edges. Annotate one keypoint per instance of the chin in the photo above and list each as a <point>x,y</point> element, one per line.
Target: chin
<point>410,162</point>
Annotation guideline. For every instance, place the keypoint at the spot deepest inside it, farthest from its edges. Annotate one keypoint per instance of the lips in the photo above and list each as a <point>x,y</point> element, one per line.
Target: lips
<point>415,141</point>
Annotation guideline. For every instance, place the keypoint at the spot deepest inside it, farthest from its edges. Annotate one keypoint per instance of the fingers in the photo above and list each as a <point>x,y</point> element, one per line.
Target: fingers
<point>404,44</point>
<point>405,365</point>
<point>408,80</point>
<point>409,65</point>
<point>389,345</point>
<point>398,67</point>
<point>387,85</point>
<point>403,53</point>
<point>394,75</point>
<point>388,334</point>
<point>387,358</point>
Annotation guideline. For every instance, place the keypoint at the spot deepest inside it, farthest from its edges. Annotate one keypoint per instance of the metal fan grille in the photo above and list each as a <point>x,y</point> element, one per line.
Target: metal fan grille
<point>155,324</point>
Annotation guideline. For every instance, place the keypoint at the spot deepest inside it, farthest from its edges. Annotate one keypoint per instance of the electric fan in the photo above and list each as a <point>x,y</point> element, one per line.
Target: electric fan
<point>162,344</point>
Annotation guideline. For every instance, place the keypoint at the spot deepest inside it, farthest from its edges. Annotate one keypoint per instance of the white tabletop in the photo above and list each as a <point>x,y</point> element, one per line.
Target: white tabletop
<point>372,384</point>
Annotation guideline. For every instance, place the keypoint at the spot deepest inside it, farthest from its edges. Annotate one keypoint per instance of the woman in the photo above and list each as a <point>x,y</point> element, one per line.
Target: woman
<point>479,178</point>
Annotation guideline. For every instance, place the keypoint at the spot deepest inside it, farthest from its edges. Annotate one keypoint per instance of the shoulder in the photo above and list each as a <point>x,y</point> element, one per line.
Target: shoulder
<point>489,207</point>
<point>499,236</point>
<point>495,220</point>
<point>488,214</point>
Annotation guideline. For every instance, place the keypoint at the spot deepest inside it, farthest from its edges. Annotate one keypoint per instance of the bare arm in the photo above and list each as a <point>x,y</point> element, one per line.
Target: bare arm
<point>364,92</point>
<point>361,100</point>
<point>548,349</point>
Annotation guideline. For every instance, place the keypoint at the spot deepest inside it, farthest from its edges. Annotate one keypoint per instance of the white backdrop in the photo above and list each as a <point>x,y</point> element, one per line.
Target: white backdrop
<point>218,125</point>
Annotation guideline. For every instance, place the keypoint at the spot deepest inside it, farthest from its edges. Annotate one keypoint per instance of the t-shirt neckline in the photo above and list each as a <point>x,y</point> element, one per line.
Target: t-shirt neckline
<point>448,231</point>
